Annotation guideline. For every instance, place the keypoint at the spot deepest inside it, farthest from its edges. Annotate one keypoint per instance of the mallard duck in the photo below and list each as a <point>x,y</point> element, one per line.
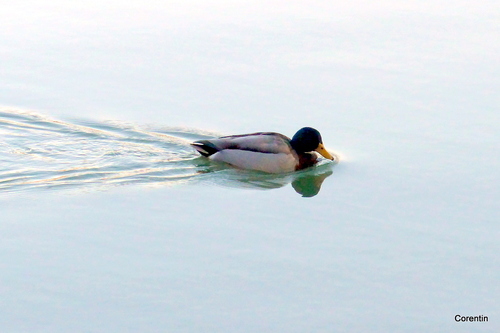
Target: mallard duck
<point>266,151</point>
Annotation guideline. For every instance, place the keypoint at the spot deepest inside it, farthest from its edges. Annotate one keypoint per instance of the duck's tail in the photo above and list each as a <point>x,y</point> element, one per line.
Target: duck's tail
<point>205,147</point>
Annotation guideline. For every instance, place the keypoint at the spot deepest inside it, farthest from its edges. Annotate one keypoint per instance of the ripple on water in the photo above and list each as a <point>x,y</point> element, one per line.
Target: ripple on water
<point>38,152</point>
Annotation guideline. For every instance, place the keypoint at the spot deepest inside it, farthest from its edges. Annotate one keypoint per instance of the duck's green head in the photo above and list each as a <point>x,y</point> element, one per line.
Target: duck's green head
<point>308,139</point>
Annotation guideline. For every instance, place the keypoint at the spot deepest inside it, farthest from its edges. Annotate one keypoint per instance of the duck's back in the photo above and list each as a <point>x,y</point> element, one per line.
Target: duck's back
<point>264,151</point>
<point>264,142</point>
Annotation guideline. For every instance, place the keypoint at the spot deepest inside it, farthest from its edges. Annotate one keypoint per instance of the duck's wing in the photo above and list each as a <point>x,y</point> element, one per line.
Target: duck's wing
<point>262,142</point>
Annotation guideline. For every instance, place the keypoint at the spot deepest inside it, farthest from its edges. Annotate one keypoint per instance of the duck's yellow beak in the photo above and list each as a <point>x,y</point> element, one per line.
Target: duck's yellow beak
<point>323,152</point>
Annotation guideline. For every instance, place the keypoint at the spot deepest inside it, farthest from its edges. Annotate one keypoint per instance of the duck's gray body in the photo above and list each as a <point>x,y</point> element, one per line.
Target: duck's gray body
<point>266,151</point>
<point>263,151</point>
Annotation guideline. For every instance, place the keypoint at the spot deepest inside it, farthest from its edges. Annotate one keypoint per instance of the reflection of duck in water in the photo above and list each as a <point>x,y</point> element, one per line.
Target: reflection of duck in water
<point>266,151</point>
<point>307,182</point>
<point>308,185</point>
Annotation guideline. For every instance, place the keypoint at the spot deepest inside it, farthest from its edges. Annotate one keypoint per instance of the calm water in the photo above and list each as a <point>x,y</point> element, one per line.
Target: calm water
<point>111,223</point>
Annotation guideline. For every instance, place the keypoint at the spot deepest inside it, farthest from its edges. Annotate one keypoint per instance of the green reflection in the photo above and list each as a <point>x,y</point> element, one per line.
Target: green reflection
<point>307,182</point>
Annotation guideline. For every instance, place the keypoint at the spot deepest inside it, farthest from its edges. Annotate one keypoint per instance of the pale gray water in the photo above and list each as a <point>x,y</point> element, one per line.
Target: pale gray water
<point>111,223</point>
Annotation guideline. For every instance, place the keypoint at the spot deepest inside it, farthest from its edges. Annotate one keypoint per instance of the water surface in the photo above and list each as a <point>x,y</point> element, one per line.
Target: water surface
<point>402,236</point>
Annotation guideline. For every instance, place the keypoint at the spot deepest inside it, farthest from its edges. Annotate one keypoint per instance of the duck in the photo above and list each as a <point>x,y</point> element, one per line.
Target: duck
<point>266,151</point>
